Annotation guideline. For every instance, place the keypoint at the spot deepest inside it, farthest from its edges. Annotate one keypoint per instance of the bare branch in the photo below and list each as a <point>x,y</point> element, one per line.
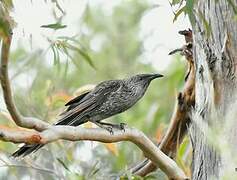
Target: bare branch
<point>26,122</point>
<point>177,128</point>
<point>19,135</point>
<point>180,118</point>
<point>97,134</point>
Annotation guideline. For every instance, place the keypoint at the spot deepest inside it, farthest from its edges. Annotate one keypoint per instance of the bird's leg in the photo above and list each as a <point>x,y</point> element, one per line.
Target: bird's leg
<point>101,125</point>
<point>120,126</point>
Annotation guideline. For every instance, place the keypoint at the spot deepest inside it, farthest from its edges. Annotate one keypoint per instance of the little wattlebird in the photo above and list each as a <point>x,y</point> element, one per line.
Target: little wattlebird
<point>108,98</point>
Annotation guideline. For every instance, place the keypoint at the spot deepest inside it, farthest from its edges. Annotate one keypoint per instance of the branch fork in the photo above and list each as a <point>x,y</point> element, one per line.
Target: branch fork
<point>180,119</point>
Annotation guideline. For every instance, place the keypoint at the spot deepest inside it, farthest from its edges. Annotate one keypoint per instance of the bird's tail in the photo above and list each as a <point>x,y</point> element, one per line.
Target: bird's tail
<point>30,148</point>
<point>26,150</point>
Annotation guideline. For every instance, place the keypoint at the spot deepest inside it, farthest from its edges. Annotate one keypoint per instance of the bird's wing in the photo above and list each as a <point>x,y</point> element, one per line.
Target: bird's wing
<point>76,99</point>
<point>88,102</point>
<point>74,102</point>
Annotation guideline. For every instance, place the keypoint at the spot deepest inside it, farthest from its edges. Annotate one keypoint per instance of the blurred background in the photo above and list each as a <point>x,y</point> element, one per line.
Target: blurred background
<point>60,47</point>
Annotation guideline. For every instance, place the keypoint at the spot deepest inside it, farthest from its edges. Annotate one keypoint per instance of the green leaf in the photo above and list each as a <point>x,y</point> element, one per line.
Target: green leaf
<point>174,2</point>
<point>180,11</point>
<point>64,50</point>
<point>55,26</point>
<point>66,38</point>
<point>182,149</point>
<point>94,170</point>
<point>63,164</point>
<point>55,55</point>
<point>84,55</point>
<point>189,10</point>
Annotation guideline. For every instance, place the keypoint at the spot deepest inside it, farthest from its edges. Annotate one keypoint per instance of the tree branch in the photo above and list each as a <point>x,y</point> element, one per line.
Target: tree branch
<point>176,131</point>
<point>19,135</point>
<point>27,122</point>
<point>53,133</point>
<point>97,134</point>
<point>180,118</point>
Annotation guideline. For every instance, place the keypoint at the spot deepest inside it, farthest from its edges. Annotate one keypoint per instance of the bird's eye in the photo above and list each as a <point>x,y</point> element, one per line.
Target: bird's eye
<point>140,78</point>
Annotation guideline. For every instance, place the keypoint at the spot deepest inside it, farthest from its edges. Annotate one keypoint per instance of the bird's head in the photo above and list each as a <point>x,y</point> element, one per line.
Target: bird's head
<point>143,79</point>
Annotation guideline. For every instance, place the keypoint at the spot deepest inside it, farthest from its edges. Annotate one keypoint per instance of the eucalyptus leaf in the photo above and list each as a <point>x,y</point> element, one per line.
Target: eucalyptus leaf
<point>54,26</point>
<point>63,164</point>
<point>180,11</point>
<point>84,55</point>
<point>189,10</point>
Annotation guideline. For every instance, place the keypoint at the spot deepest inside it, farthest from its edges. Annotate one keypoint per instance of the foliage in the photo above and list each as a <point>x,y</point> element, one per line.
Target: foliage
<point>185,7</point>
<point>5,20</point>
<point>78,63</point>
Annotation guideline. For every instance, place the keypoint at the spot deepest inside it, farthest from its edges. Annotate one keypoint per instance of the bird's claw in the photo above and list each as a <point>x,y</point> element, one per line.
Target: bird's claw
<point>122,126</point>
<point>110,129</point>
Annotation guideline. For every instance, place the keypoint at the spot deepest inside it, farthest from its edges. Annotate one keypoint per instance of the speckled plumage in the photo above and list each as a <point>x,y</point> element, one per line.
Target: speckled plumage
<point>108,98</point>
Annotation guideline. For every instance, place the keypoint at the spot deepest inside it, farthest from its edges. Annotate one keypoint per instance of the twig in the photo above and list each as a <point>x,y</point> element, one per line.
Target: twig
<point>97,134</point>
<point>6,164</point>
<point>27,122</point>
<point>31,167</point>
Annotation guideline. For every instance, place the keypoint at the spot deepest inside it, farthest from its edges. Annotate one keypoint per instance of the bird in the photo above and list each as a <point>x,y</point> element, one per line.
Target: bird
<point>107,99</point>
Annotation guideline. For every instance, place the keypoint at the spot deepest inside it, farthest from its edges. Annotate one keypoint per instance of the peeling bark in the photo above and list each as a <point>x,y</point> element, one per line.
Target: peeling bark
<point>216,59</point>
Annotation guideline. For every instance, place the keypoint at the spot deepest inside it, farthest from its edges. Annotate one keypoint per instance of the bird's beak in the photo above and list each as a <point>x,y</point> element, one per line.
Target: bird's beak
<point>154,76</point>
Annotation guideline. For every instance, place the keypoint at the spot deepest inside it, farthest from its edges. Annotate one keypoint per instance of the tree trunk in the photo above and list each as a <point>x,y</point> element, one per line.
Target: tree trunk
<point>213,130</point>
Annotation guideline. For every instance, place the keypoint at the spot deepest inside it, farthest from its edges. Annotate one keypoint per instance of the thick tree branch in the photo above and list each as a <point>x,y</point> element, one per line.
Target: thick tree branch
<point>97,134</point>
<point>27,122</point>
<point>19,135</point>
